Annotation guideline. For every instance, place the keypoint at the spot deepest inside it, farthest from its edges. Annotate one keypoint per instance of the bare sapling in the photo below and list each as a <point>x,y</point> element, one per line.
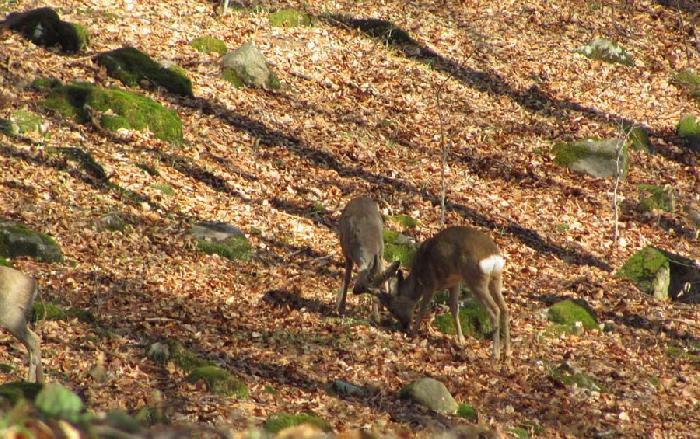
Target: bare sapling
<point>361,238</point>
<point>454,256</point>
<point>17,294</point>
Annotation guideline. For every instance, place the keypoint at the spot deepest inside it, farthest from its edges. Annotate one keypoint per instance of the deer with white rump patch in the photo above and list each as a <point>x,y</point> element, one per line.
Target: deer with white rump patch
<point>17,294</point>
<point>454,256</point>
<point>360,230</point>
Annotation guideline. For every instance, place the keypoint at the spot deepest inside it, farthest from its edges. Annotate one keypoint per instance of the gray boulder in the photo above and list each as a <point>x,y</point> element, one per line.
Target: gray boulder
<point>214,237</point>
<point>597,158</point>
<point>246,66</point>
<point>432,394</point>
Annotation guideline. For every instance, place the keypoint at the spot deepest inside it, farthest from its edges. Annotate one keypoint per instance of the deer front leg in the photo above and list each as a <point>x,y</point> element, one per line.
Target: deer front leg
<point>420,316</point>
<point>454,309</point>
<point>342,293</point>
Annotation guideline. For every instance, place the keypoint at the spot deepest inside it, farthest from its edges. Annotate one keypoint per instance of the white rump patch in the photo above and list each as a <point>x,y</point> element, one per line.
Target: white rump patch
<point>492,263</point>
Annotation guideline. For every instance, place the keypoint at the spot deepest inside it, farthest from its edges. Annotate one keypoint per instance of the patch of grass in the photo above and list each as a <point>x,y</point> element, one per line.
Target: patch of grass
<point>165,189</point>
<point>219,381</point>
<point>399,247</point>
<point>233,248</point>
<point>567,376</point>
<point>5,263</point>
<point>290,18</point>
<point>405,221</point>
<point>467,412</point>
<point>184,358</point>
<point>473,318</point>
<point>208,44</point>
<point>683,353</point>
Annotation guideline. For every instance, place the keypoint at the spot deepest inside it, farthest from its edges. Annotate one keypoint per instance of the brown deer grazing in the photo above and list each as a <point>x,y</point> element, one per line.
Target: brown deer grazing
<point>17,294</point>
<point>454,256</point>
<point>360,230</point>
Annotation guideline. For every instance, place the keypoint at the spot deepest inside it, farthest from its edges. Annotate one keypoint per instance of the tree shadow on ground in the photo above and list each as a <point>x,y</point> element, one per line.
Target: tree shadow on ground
<point>269,137</point>
<point>532,99</point>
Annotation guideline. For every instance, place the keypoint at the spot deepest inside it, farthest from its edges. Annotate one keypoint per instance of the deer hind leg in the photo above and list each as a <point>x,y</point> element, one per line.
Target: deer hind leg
<point>481,293</point>
<point>454,309</point>
<point>495,288</point>
<point>31,341</point>
<point>342,293</point>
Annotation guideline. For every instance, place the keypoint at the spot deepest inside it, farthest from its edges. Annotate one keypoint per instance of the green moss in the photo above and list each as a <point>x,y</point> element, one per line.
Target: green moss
<point>209,44</point>
<point>405,221</point>
<point>115,108</point>
<point>82,315</point>
<point>689,130</point>
<point>689,81</point>
<point>82,35</point>
<point>467,412</point>
<point>6,368</point>
<point>46,84</point>
<point>131,66</point>
<point>642,267</point>
<point>165,189</point>
<point>473,318</point>
<point>653,197</point>
<point>184,358</point>
<point>273,82</point>
<point>519,432</point>
<point>399,247</point>
<point>568,312</point>
<point>47,311</point>
<point>567,376</point>
<point>680,352</point>
<point>290,18</point>
<point>233,248</point>
<point>219,381</point>
<point>605,50</point>
<point>16,240</point>
<point>5,263</point>
<point>280,421</point>
<point>568,153</point>
<point>231,76</point>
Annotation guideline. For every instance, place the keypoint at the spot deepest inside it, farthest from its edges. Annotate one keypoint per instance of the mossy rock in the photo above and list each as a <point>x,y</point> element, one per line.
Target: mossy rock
<point>43,27</point>
<point>184,358</point>
<point>399,247</point>
<point>233,248</point>
<point>566,375</point>
<point>473,317</point>
<point>17,240</point>
<point>5,263</point>
<point>17,390</point>
<point>21,122</point>
<point>568,312</point>
<point>131,66</point>
<point>219,381</point>
<point>290,18</point>
<point>47,311</point>
<point>602,49</point>
<point>207,44</point>
<point>467,412</point>
<point>280,421</point>
<point>664,275</point>
<point>112,222</point>
<point>597,158</point>
<point>689,81</point>
<point>689,130</point>
<point>404,221</point>
<point>654,197</point>
<point>58,402</point>
<point>114,109</point>
<point>122,421</point>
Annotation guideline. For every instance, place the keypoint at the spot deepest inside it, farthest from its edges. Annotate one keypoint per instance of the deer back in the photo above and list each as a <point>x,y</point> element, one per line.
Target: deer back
<point>17,293</point>
<point>360,229</point>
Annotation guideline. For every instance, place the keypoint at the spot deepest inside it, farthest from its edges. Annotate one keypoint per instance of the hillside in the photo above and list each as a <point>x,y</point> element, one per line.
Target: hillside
<point>497,85</point>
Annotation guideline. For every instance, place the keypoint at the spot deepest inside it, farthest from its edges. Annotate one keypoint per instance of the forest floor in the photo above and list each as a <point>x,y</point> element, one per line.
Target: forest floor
<point>358,115</point>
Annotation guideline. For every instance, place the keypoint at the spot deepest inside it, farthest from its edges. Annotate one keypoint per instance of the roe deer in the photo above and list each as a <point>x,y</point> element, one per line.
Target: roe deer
<point>360,230</point>
<point>453,256</point>
<point>17,293</point>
